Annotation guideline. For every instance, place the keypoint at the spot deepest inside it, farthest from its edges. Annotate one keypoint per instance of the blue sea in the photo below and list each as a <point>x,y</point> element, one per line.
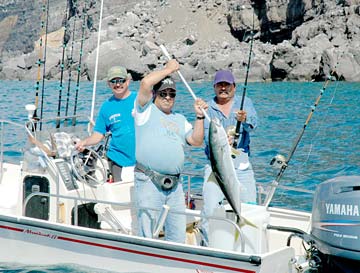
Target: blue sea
<point>329,146</point>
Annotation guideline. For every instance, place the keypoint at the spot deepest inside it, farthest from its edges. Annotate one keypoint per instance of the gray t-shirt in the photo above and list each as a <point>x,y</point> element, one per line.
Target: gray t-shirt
<point>160,139</point>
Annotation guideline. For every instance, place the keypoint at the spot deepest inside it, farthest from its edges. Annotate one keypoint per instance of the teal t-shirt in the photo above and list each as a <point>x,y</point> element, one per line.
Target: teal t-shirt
<point>160,139</point>
<point>117,116</point>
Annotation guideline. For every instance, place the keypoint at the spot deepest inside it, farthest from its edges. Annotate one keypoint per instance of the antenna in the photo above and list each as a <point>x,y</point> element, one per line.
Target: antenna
<point>30,108</point>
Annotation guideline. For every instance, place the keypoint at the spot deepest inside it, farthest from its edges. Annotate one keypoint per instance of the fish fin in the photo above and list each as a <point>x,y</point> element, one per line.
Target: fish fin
<point>242,221</point>
<point>212,178</point>
<point>234,151</point>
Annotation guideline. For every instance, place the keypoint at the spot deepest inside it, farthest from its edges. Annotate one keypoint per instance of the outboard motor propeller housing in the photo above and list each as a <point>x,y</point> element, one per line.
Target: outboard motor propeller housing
<point>335,224</point>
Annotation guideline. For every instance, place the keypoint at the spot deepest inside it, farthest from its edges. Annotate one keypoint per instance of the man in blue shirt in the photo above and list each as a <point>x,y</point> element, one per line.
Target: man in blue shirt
<point>116,116</point>
<point>225,106</point>
<point>161,135</point>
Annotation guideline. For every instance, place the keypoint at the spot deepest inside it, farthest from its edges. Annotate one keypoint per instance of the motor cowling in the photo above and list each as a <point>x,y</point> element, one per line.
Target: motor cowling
<point>335,224</point>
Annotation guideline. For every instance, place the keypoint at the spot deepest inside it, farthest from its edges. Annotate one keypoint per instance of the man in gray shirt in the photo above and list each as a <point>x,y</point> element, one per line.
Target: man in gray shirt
<point>161,135</point>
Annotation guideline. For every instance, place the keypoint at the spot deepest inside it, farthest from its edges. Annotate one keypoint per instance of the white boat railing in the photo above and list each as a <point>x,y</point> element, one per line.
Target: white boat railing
<point>70,129</point>
<point>131,205</point>
<point>2,142</point>
<point>31,124</point>
<point>262,189</point>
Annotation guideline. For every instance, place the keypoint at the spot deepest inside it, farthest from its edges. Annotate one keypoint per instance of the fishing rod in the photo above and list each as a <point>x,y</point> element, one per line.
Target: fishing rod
<point>62,65</point>
<point>167,55</point>
<point>44,67</point>
<point>73,122</point>
<point>285,163</point>
<point>91,123</point>
<point>70,67</point>
<point>39,62</point>
<point>238,123</point>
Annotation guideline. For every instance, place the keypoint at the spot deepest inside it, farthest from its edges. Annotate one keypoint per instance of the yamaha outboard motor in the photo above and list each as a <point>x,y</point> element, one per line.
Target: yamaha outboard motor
<point>336,224</point>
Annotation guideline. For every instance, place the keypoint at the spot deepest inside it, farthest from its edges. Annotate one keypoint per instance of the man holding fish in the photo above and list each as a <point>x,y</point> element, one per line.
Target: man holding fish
<point>235,179</point>
<point>161,135</point>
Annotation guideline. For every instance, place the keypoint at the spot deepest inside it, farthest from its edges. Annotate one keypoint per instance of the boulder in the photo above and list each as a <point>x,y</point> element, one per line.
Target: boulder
<point>111,53</point>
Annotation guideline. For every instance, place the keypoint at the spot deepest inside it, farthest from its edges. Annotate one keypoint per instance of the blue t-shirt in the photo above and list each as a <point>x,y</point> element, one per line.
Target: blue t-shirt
<point>116,116</point>
<point>160,139</point>
<point>245,129</point>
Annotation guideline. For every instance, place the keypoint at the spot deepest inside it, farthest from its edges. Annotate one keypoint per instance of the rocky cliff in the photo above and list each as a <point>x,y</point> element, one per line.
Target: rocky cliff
<point>293,40</point>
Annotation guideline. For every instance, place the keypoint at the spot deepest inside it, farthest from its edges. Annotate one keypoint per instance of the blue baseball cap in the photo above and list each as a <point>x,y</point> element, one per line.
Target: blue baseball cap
<point>224,76</point>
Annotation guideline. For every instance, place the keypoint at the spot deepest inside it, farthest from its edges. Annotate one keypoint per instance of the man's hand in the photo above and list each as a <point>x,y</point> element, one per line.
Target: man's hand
<point>198,106</point>
<point>240,115</point>
<point>80,145</point>
<point>172,65</point>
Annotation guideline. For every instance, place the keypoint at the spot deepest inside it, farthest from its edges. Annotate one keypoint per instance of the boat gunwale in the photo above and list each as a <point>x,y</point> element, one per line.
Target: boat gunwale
<point>128,239</point>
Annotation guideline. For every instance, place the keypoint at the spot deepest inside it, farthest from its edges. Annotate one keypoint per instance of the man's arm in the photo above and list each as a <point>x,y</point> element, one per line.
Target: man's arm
<point>145,93</point>
<point>94,139</point>
<point>197,136</point>
<point>248,116</point>
<point>43,147</point>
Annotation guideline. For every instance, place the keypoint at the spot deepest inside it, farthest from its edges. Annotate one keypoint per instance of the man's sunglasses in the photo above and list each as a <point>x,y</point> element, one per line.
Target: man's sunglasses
<point>163,94</point>
<point>116,81</point>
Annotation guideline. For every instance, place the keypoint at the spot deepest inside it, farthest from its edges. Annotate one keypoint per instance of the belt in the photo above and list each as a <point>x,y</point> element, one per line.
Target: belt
<point>163,181</point>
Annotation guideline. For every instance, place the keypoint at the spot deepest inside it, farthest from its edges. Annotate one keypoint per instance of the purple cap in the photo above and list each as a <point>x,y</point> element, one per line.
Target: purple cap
<point>224,76</point>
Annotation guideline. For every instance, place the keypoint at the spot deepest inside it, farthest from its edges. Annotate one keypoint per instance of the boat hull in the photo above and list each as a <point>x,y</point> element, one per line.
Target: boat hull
<point>43,243</point>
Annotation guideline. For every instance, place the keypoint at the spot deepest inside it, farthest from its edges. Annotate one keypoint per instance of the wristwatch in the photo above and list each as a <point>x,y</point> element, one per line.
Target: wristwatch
<point>197,117</point>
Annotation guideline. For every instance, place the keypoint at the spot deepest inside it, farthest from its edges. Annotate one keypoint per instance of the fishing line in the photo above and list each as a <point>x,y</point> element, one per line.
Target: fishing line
<point>62,65</point>
<point>238,123</point>
<point>44,67</point>
<point>284,164</point>
<point>83,25</point>
<point>323,120</point>
<point>321,126</point>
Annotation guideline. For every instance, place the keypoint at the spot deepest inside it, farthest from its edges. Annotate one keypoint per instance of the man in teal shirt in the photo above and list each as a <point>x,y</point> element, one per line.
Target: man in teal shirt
<point>116,116</point>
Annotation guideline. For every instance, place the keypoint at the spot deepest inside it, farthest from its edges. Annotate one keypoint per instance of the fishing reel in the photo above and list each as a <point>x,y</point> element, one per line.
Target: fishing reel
<point>278,161</point>
<point>88,167</point>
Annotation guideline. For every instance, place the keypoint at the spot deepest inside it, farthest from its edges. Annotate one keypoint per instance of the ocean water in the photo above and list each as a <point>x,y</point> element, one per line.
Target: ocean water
<point>329,146</point>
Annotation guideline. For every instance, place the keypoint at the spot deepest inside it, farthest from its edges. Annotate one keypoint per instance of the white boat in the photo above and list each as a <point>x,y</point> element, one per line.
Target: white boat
<point>47,216</point>
<point>61,211</point>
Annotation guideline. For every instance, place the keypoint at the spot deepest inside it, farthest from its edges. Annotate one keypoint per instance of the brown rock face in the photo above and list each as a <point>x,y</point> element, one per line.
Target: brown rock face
<point>298,40</point>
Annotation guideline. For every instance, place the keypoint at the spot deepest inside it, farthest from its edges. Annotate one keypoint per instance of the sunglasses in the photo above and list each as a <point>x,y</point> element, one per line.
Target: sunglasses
<point>222,84</point>
<point>163,94</point>
<point>116,81</point>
